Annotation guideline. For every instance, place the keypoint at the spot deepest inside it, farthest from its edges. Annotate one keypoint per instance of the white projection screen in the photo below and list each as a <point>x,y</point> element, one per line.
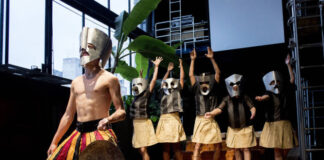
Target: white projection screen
<point>238,24</point>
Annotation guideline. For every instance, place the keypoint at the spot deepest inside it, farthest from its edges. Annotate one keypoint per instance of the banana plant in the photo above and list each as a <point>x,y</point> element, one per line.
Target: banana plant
<point>145,47</point>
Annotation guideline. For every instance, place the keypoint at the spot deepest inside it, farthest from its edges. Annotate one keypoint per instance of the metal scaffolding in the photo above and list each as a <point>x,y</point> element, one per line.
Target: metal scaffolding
<point>181,29</point>
<point>306,44</point>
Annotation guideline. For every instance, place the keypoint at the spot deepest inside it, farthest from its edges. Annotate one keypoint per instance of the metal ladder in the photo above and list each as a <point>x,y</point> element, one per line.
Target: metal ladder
<point>306,44</point>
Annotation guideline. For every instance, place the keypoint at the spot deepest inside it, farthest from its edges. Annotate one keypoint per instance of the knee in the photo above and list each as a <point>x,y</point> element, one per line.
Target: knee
<point>246,150</point>
<point>143,150</point>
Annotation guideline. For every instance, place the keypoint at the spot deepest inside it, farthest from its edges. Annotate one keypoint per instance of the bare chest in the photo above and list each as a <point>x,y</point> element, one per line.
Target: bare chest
<point>91,87</point>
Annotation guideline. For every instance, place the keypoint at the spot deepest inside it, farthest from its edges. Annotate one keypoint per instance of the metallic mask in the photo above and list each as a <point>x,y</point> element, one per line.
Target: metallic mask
<point>232,82</point>
<point>139,85</point>
<point>272,82</point>
<point>169,85</point>
<point>96,43</point>
<point>205,83</point>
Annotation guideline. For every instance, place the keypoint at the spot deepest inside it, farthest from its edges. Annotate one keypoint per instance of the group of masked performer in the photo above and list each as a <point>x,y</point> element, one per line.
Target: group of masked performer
<point>93,92</point>
<point>277,132</point>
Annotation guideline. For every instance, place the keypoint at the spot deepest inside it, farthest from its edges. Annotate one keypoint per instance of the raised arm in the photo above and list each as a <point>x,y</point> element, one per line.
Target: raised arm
<point>210,55</point>
<point>193,56</point>
<point>181,73</point>
<point>262,98</point>
<point>119,114</point>
<point>156,63</point>
<point>65,122</point>
<point>170,68</point>
<point>291,73</point>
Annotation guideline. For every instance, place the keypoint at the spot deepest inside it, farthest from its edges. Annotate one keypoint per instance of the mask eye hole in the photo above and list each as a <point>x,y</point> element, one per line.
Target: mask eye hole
<point>133,85</point>
<point>172,84</point>
<point>232,84</point>
<point>140,84</point>
<point>92,46</point>
<point>165,84</point>
<point>272,82</point>
<point>238,83</point>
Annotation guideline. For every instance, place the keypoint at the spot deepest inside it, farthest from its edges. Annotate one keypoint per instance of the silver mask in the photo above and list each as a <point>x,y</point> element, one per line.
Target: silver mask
<point>96,43</point>
<point>169,85</point>
<point>233,81</point>
<point>139,85</point>
<point>205,83</point>
<point>271,82</point>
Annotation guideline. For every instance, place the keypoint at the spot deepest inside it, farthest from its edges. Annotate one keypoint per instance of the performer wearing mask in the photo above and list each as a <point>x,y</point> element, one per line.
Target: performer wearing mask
<point>170,130</point>
<point>240,133</point>
<point>144,134</point>
<point>206,130</point>
<point>90,97</point>
<point>277,132</point>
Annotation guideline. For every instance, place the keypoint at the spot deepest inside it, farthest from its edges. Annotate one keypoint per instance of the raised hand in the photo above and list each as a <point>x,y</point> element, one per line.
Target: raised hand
<point>210,53</point>
<point>170,66</point>
<point>287,61</point>
<point>141,73</point>
<point>180,62</point>
<point>157,61</point>
<point>253,110</point>
<point>193,54</point>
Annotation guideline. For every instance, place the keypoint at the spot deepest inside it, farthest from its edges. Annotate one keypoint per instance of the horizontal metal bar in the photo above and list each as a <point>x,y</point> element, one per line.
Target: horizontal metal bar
<point>303,7</point>
<point>310,45</point>
<point>310,108</point>
<point>306,17</point>
<point>313,87</point>
<point>311,26</point>
<point>174,2</point>
<point>312,66</point>
<point>320,128</point>
<point>314,149</point>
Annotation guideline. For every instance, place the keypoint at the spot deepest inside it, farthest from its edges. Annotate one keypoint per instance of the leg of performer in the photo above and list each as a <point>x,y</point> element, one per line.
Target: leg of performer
<point>217,153</point>
<point>143,151</point>
<point>247,153</point>
<point>166,151</point>
<point>278,154</point>
<point>238,155</point>
<point>177,151</point>
<point>196,153</point>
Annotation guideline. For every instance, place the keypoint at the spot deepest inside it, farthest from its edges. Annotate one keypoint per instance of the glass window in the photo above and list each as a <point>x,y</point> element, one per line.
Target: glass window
<point>67,26</point>
<point>118,6</point>
<point>26,33</point>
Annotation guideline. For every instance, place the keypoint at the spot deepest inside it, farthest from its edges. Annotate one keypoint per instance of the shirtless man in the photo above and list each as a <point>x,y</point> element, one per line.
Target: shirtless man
<point>90,97</point>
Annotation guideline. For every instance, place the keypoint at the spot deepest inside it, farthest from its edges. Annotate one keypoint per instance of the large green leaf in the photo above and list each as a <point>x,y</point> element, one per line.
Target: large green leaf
<point>119,23</point>
<point>150,48</point>
<point>138,14</point>
<point>141,63</point>
<point>126,71</point>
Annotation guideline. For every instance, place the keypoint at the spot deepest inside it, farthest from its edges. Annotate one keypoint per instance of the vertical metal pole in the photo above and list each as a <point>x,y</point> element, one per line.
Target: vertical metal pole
<point>1,30</point>
<point>48,36</point>
<point>130,55</point>
<point>299,91</point>
<point>109,34</point>
<point>322,27</point>
<point>170,24</point>
<point>7,33</point>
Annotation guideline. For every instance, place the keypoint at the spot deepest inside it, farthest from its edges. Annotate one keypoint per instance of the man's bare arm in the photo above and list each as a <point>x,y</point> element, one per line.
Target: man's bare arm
<point>210,55</point>
<point>65,122</point>
<point>156,63</point>
<point>193,56</point>
<point>119,114</point>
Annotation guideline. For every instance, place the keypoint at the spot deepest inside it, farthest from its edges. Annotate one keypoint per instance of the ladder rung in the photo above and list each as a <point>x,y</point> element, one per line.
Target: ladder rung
<point>314,149</point>
<point>174,2</point>
<point>311,26</point>
<point>310,45</point>
<point>313,6</point>
<point>175,11</point>
<point>311,66</point>
<point>306,17</point>
<point>319,128</point>
<point>314,87</point>
<point>310,108</point>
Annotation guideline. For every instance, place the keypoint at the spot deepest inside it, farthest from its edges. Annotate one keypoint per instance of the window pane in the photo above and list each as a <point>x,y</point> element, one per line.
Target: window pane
<point>67,25</point>
<point>26,33</point>
<point>118,6</point>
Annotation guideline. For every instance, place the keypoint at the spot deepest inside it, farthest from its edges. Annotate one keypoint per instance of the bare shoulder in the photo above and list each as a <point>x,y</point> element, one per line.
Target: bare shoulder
<point>109,77</point>
<point>76,81</point>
